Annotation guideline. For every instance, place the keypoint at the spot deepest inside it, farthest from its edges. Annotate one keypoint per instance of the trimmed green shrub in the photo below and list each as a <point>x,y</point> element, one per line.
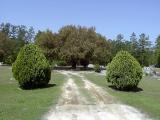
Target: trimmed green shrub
<point>9,59</point>
<point>61,63</point>
<point>158,60</point>
<point>124,72</point>
<point>55,63</point>
<point>31,69</point>
<point>97,68</point>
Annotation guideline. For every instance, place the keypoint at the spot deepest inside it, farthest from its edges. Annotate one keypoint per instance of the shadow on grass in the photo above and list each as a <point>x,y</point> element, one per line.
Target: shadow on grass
<point>137,89</point>
<point>49,85</point>
<point>38,87</point>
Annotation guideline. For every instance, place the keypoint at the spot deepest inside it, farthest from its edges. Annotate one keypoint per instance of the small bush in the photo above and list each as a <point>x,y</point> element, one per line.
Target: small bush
<point>158,60</point>
<point>61,63</point>
<point>97,68</point>
<point>31,69</point>
<point>58,63</point>
<point>53,63</point>
<point>9,60</point>
<point>124,72</point>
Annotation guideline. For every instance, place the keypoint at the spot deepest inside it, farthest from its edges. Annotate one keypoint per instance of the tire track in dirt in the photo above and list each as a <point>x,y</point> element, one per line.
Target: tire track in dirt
<point>68,103</point>
<point>101,96</point>
<point>72,105</point>
<point>70,94</point>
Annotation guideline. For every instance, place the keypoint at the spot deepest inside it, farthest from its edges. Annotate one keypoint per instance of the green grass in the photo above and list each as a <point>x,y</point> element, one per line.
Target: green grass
<point>83,90</point>
<point>157,69</point>
<point>147,100</point>
<point>18,104</point>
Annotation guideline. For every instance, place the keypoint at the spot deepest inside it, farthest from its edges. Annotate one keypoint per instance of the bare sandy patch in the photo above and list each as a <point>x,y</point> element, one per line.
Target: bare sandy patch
<point>72,106</point>
<point>71,94</point>
<point>101,96</point>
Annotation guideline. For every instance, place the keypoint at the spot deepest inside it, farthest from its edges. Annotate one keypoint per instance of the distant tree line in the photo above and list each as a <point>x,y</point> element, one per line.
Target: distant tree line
<point>140,47</point>
<point>76,45</point>
<point>12,39</point>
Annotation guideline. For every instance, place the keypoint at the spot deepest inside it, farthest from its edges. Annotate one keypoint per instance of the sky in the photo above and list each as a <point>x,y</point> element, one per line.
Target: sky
<point>110,17</point>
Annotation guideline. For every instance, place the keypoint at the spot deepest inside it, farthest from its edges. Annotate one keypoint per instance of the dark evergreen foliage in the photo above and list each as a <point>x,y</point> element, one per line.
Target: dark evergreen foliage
<point>124,72</point>
<point>31,69</point>
<point>97,68</point>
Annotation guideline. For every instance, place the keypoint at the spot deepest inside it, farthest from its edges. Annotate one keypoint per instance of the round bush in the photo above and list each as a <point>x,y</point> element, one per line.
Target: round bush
<point>124,72</point>
<point>31,69</point>
<point>61,63</point>
<point>97,68</point>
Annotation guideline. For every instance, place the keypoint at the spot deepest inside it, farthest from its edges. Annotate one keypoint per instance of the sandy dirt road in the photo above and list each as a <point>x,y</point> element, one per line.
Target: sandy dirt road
<point>73,105</point>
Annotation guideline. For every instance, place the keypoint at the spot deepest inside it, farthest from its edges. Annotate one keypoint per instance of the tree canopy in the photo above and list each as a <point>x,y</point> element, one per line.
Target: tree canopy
<point>12,39</point>
<point>76,45</point>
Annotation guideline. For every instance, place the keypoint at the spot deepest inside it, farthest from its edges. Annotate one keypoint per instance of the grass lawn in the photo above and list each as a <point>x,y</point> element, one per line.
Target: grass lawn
<point>157,69</point>
<point>17,104</point>
<point>147,100</point>
<point>82,89</point>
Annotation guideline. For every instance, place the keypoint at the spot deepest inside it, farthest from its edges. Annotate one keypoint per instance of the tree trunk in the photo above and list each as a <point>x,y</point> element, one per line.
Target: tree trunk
<point>74,65</point>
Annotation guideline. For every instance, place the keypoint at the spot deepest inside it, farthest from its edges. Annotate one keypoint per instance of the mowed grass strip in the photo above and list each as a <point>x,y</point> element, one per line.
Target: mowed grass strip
<point>83,91</point>
<point>147,100</point>
<point>18,104</point>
